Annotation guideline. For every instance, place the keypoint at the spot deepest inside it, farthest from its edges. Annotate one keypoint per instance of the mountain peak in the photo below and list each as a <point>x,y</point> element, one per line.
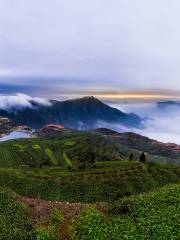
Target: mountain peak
<point>90,99</point>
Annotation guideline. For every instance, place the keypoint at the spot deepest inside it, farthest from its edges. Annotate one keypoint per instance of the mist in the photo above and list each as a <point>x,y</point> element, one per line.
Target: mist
<point>161,123</point>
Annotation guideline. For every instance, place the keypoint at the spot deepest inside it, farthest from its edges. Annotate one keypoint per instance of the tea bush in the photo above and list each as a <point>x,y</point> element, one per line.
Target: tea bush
<point>14,223</point>
<point>152,216</point>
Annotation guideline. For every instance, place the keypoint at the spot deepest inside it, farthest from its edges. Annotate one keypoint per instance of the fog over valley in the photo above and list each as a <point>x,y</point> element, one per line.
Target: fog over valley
<point>162,118</point>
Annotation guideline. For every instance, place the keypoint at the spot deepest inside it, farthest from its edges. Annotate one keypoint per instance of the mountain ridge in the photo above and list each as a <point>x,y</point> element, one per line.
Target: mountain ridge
<point>82,113</point>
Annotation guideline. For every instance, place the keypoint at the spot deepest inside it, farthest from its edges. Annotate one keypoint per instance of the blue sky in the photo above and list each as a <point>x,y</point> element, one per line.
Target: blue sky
<point>97,45</point>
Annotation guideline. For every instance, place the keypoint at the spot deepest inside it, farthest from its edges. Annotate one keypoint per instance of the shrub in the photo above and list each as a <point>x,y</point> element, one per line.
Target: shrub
<point>88,225</point>
<point>45,233</point>
<point>67,160</point>
<point>148,216</point>
<point>57,216</point>
<point>14,223</point>
<point>51,156</point>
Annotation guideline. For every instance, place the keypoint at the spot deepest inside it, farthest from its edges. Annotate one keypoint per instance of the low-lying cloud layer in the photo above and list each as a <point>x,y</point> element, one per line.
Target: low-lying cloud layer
<point>18,101</point>
<point>162,122</point>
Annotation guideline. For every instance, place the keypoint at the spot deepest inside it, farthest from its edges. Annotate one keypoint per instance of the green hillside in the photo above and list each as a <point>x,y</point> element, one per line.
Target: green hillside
<point>72,169</point>
<point>14,222</point>
<point>71,149</point>
<point>151,216</point>
<point>106,182</point>
<point>80,149</point>
<point>79,166</point>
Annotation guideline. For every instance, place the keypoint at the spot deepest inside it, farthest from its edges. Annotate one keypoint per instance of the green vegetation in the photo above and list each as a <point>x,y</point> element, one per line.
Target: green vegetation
<point>52,158</point>
<point>107,181</point>
<point>45,233</point>
<point>149,216</point>
<point>67,160</point>
<point>70,143</point>
<point>89,168</point>
<point>14,223</point>
<point>57,216</point>
<point>81,148</point>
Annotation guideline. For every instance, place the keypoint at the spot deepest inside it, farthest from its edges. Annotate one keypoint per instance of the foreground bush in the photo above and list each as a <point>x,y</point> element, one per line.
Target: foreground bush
<point>14,223</point>
<point>45,233</point>
<point>149,216</point>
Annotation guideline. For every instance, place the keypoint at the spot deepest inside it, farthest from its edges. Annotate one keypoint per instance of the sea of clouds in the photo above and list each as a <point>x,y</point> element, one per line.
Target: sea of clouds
<point>162,123</point>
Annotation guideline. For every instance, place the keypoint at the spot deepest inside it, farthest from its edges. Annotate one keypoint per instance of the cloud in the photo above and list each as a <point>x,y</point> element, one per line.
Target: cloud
<point>113,44</point>
<point>161,124</point>
<point>18,101</point>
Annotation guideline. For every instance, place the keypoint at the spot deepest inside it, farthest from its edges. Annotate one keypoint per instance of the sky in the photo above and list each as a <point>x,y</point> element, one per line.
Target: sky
<point>99,46</point>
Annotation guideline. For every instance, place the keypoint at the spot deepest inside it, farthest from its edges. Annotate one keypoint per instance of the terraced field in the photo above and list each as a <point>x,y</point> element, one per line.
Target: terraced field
<point>74,150</point>
<point>47,175</point>
<point>104,183</point>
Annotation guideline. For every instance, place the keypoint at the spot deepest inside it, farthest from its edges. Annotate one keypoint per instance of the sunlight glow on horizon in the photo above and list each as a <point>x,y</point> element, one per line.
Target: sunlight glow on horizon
<point>137,96</point>
<point>122,95</point>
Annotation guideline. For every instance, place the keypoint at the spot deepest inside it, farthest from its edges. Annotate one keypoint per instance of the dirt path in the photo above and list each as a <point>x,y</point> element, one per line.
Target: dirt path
<point>40,210</point>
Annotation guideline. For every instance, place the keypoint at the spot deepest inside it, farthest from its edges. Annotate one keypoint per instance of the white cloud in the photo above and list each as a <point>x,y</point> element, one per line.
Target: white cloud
<point>116,44</point>
<point>5,72</point>
<point>18,101</point>
<point>163,123</point>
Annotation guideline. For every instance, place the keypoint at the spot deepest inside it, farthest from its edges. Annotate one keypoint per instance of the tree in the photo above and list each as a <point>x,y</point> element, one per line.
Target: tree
<point>142,157</point>
<point>131,157</point>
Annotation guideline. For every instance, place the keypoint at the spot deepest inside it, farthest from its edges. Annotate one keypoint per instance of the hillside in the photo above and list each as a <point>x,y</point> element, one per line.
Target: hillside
<point>106,182</point>
<point>72,149</point>
<point>84,113</point>
<point>150,216</point>
<point>81,148</point>
<point>55,178</point>
<point>82,157</point>
<point>142,143</point>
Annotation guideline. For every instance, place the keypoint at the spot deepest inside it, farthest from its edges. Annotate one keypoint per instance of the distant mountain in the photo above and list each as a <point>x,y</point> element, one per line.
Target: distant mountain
<point>166,104</point>
<point>83,113</point>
